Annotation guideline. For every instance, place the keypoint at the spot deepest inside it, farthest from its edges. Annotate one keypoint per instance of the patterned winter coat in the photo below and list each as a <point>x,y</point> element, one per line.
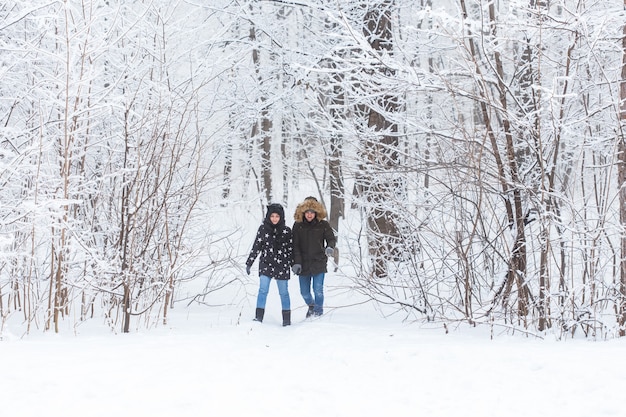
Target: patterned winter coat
<point>310,239</point>
<point>274,243</point>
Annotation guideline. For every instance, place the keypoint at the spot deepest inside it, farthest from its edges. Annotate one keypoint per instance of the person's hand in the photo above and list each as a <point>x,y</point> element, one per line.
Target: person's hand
<point>296,268</point>
<point>329,251</point>
<point>248,267</point>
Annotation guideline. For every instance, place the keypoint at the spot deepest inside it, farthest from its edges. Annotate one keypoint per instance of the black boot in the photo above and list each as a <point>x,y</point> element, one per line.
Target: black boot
<point>260,312</point>
<point>309,313</point>
<point>286,318</point>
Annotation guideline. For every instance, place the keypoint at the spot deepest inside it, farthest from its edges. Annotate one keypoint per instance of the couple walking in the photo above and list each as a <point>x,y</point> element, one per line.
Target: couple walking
<point>304,248</point>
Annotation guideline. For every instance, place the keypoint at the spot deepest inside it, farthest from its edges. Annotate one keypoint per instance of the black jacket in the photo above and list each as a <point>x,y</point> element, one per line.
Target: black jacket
<point>274,243</point>
<point>311,239</point>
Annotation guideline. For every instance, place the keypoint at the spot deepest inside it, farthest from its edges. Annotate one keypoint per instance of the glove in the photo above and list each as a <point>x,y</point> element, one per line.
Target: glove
<point>296,268</point>
<point>329,251</point>
<point>248,269</point>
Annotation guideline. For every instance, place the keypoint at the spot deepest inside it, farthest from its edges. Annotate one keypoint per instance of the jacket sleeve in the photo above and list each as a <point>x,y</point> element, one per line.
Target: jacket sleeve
<point>297,253</point>
<point>289,247</point>
<point>329,236</point>
<point>257,246</point>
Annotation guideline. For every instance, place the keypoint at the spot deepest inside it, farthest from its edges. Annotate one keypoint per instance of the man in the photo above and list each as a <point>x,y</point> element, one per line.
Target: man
<point>313,242</point>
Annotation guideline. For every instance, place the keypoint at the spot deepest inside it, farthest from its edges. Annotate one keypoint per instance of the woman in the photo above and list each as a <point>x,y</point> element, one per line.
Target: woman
<point>274,242</point>
<point>313,242</point>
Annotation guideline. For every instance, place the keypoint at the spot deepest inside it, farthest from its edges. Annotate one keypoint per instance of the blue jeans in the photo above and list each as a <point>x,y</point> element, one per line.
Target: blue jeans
<point>264,288</point>
<point>318,292</point>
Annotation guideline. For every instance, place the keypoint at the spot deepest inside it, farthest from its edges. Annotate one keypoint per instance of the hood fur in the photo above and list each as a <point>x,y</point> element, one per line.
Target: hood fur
<point>309,203</point>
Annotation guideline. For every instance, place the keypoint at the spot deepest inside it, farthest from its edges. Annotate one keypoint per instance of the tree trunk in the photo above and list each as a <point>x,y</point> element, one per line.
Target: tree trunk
<point>621,157</point>
<point>337,202</point>
<point>381,149</point>
<point>507,166</point>
<point>265,138</point>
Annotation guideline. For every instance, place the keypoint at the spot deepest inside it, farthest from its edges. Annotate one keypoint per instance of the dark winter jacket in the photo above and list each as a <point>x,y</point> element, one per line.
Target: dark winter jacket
<point>310,239</point>
<point>274,243</point>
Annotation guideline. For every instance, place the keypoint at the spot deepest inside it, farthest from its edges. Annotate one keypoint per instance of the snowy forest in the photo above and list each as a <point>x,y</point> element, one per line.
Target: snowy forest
<point>470,153</point>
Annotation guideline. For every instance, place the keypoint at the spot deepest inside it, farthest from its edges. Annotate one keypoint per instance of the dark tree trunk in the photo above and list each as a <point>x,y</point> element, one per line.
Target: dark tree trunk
<point>381,148</point>
<point>622,190</point>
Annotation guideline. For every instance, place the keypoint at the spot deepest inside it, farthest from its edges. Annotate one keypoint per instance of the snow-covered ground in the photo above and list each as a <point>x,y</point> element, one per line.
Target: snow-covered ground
<point>350,362</point>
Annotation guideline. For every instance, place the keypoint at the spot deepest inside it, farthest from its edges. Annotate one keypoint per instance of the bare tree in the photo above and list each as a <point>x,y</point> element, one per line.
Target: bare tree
<point>621,149</point>
<point>481,139</point>
<point>380,148</point>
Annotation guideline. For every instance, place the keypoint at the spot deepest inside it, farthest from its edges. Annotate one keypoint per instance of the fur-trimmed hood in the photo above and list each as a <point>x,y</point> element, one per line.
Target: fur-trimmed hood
<point>310,203</point>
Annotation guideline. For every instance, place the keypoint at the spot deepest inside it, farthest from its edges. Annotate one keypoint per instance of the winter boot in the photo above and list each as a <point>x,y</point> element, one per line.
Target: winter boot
<point>286,318</point>
<point>260,312</point>
<point>309,313</point>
